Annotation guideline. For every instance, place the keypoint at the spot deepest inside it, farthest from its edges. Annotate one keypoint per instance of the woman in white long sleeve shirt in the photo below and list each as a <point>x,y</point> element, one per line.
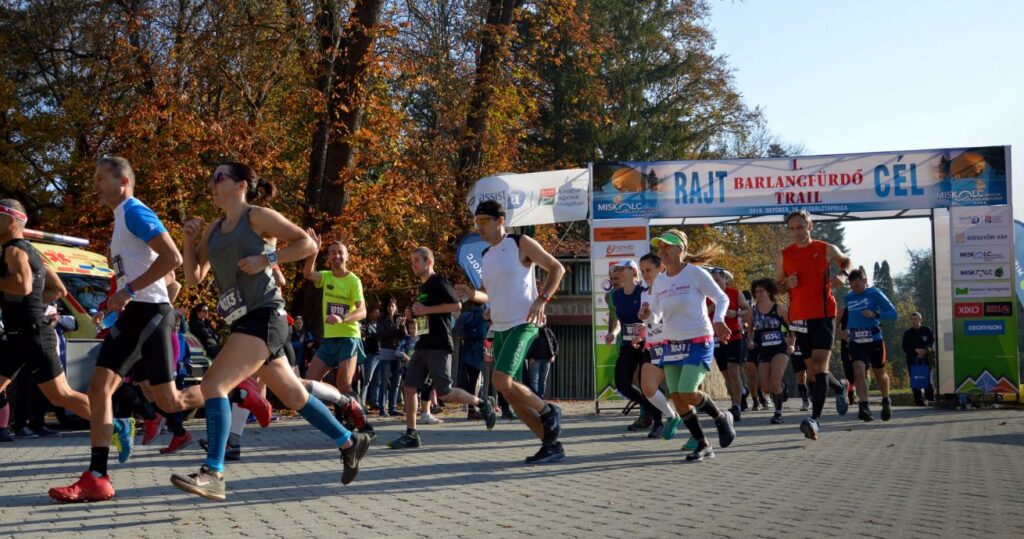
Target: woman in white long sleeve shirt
<point>677,300</point>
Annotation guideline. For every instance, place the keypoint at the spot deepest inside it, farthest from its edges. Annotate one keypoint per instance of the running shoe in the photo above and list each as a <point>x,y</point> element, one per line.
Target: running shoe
<point>429,419</point>
<point>474,415</point>
<point>886,409</point>
<point>351,456</point>
<point>232,451</point>
<point>842,404</point>
<point>810,428</point>
<point>656,431</point>
<point>405,441</point>
<point>551,422</point>
<point>88,488</point>
<point>25,432</point>
<point>124,439</point>
<point>436,408</point>
<point>757,406</point>
<point>6,435</point>
<point>205,483</point>
<point>255,403</point>
<point>178,442</point>
<point>690,444</point>
<point>735,411</point>
<point>151,428</point>
<point>353,416</point>
<point>671,426</point>
<point>487,412</point>
<point>396,413</point>
<point>701,452</point>
<point>864,414</point>
<point>777,418</point>
<point>43,432</point>
<point>806,405</point>
<point>641,423</point>
<point>726,430</point>
<point>547,453</point>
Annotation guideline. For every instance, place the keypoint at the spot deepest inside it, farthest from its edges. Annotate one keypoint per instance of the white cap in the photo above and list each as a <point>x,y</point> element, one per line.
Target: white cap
<point>628,263</point>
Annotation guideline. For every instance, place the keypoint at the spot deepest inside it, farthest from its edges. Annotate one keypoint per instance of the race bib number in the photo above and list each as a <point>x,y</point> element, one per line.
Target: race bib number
<point>675,351</point>
<point>339,309</point>
<point>231,306</point>
<point>799,326</point>
<point>862,336</point>
<point>122,279</point>
<point>771,338</point>
<point>422,325</point>
<point>633,330</point>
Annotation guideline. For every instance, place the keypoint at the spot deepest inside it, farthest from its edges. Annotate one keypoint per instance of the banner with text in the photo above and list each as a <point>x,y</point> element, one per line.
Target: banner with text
<point>917,179</point>
<point>538,198</point>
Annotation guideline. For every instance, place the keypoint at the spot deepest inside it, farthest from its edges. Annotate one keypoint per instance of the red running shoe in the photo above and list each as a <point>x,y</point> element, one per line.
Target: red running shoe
<point>88,488</point>
<point>151,428</point>
<point>255,402</point>
<point>177,442</point>
<point>354,415</point>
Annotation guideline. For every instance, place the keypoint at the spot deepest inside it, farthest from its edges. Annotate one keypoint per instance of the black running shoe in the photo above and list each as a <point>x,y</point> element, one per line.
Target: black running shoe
<point>547,453</point>
<point>552,424</point>
<point>735,411</point>
<point>641,423</point>
<point>405,441</point>
<point>25,432</point>
<point>351,456</point>
<point>777,418</point>
<point>864,414</point>
<point>702,452</point>
<point>726,430</point>
<point>205,483</point>
<point>656,431</point>
<point>6,435</point>
<point>487,412</point>
<point>886,409</point>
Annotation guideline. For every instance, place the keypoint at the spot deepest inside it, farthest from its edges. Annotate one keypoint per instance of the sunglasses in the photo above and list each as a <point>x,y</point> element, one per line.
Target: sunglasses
<point>220,176</point>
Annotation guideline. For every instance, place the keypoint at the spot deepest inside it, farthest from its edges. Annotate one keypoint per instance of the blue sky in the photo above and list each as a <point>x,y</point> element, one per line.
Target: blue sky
<point>860,76</point>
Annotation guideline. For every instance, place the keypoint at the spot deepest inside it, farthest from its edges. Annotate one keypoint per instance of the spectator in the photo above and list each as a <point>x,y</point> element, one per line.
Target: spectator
<point>541,355</point>
<point>390,333</point>
<point>302,344</point>
<point>404,353</point>
<point>918,345</point>
<point>201,327</point>
<point>472,329</point>
<point>371,347</point>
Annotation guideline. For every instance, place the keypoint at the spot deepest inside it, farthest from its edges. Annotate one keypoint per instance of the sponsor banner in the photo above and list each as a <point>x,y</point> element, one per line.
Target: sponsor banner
<point>978,272</point>
<point>836,183</point>
<point>537,198</point>
<point>1018,248</point>
<point>974,254</point>
<point>974,328</point>
<point>998,308</point>
<point>983,236</point>
<point>981,290</point>
<point>968,310</point>
<point>470,253</point>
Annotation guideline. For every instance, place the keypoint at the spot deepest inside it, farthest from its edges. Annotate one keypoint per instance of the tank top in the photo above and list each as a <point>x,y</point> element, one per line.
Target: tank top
<point>21,312</point>
<point>511,287</point>
<point>768,327</point>
<point>627,306</point>
<point>241,293</point>
<point>812,298</point>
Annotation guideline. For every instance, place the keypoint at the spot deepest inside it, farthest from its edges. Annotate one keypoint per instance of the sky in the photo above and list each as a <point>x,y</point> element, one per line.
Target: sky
<point>847,77</point>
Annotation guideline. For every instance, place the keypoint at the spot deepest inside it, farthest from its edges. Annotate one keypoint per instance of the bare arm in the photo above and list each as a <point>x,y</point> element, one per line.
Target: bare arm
<point>19,278</point>
<point>168,258</point>
<point>532,252</point>
<point>196,252</point>
<point>54,288</point>
<point>309,264</point>
<point>279,279</point>
<point>356,315</point>
<point>173,286</point>
<point>785,281</point>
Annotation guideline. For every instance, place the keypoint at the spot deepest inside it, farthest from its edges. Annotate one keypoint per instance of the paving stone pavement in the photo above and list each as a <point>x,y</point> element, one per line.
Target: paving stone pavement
<point>927,473</point>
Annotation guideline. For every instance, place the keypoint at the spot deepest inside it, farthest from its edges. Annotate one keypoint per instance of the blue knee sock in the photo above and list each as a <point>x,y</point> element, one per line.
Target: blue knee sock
<point>218,423</point>
<point>320,417</point>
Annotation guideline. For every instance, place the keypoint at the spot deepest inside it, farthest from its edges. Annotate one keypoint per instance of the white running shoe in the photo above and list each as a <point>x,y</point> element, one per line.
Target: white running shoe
<point>429,419</point>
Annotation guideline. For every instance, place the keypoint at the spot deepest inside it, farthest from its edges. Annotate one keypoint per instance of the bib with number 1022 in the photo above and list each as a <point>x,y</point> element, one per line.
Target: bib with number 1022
<point>862,336</point>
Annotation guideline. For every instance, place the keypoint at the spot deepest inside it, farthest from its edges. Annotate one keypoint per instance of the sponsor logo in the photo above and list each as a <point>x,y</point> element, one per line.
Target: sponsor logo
<point>547,196</point>
<point>984,290</point>
<point>998,308</point>
<point>968,310</point>
<point>985,219</point>
<point>973,328</point>
<point>516,199</point>
<point>982,255</point>
<point>979,272</point>
<point>571,196</point>
<point>619,250</point>
<point>497,195</point>
<point>982,237</point>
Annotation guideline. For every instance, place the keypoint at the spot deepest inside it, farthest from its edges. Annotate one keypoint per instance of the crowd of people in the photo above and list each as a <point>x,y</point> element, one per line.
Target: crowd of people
<point>673,315</point>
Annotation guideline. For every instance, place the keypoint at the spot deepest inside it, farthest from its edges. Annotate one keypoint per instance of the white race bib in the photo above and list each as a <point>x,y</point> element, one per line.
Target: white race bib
<point>862,336</point>
<point>799,326</point>
<point>771,337</point>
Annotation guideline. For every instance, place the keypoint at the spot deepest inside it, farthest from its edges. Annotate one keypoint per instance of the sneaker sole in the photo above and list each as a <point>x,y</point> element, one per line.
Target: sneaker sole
<point>83,500</point>
<point>808,431</point>
<point>552,458</point>
<point>701,458</point>
<point>191,489</point>
<point>166,451</point>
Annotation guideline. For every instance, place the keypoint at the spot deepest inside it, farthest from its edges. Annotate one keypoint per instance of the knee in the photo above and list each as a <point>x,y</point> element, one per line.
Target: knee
<point>501,381</point>
<point>691,399</point>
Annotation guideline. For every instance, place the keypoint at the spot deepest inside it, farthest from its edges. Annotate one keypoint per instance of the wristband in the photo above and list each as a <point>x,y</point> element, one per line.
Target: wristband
<point>131,291</point>
<point>544,296</point>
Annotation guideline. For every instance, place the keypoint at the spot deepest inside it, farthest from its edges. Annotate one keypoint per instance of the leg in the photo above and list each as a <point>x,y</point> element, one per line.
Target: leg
<point>734,382</point>
<point>60,394</point>
<point>525,403</point>
<point>543,370</point>
<point>626,367</point>
<point>861,379</point>
<point>882,379</point>
<point>346,372</point>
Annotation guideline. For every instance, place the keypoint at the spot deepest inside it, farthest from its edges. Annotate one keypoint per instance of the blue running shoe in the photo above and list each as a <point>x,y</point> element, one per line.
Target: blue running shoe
<point>690,444</point>
<point>843,405</point>
<point>124,438</point>
<point>671,426</point>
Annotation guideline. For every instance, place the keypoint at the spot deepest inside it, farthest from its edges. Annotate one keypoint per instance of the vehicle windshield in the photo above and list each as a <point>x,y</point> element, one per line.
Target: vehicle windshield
<point>88,290</point>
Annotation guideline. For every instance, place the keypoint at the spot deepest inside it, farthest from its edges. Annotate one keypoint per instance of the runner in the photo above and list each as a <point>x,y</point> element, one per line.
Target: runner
<point>651,373</point>
<point>678,299</point>
<point>28,286</point>
<point>804,272</point>
<point>433,354</point>
<point>866,306</point>
<point>729,355</point>
<point>239,249</point>
<point>139,343</point>
<point>516,311</point>
<point>631,357</point>
<point>642,421</point>
<point>769,321</point>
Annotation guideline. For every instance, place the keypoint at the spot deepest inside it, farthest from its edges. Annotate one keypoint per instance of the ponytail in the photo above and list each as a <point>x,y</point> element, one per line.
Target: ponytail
<point>257,189</point>
<point>706,254</point>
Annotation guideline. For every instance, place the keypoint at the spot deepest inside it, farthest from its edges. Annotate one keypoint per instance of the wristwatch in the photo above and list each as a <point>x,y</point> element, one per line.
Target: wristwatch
<point>272,258</point>
<point>544,296</point>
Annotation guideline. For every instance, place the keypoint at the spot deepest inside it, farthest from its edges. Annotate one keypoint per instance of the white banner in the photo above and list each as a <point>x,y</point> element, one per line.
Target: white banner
<point>538,198</point>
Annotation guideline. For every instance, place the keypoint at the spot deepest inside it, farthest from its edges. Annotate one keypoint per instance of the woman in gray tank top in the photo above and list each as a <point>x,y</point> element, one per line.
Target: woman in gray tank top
<point>238,248</point>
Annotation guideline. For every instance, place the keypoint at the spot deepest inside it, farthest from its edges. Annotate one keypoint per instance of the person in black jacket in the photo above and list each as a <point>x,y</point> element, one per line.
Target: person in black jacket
<point>201,327</point>
<point>390,332</point>
<point>918,345</point>
<point>541,355</point>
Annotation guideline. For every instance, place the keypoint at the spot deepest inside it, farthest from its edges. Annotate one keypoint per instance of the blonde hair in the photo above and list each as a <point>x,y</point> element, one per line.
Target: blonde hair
<point>701,256</point>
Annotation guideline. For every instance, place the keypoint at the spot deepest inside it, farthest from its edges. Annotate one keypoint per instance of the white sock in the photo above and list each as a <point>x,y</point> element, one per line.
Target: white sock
<point>322,391</point>
<point>238,417</point>
<point>661,403</point>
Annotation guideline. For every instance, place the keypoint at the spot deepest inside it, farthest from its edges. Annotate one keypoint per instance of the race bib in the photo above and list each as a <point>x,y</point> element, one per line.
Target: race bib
<point>675,351</point>
<point>771,338</point>
<point>339,309</point>
<point>122,279</point>
<point>231,306</point>
<point>422,325</point>
<point>799,326</point>
<point>863,335</point>
<point>633,330</point>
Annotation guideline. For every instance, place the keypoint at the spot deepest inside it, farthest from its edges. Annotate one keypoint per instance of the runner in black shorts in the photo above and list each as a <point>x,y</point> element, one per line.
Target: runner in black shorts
<point>769,320</point>
<point>866,306</point>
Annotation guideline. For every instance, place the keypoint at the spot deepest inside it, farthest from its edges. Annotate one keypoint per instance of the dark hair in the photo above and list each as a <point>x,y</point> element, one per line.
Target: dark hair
<point>767,284</point>
<point>490,208</point>
<point>858,273</point>
<point>258,188</point>
<point>798,213</point>
<point>652,258</point>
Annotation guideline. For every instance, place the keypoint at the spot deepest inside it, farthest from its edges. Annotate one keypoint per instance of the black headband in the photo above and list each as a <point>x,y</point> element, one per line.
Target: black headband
<point>491,210</point>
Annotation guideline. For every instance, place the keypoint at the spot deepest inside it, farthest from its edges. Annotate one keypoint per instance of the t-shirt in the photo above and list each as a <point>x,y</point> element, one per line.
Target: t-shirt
<point>626,307</point>
<point>812,298</point>
<point>341,294</point>
<point>731,322</point>
<point>435,330</point>
<point>135,225</point>
<point>863,329</point>
<point>678,301</point>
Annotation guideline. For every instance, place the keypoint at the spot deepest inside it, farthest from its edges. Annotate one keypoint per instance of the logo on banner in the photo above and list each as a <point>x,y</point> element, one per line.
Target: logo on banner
<point>980,272</point>
<point>982,291</point>
<point>986,219</point>
<point>547,196</point>
<point>968,310</point>
<point>516,199</point>
<point>982,236</point>
<point>981,255</point>
<point>496,195</point>
<point>988,327</point>
<point>998,308</point>
<point>571,196</point>
<point>619,250</point>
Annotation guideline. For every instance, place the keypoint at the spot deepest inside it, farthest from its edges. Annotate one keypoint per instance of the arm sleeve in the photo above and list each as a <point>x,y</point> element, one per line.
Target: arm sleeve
<point>718,296</point>
<point>142,222</point>
<point>653,302</point>
<point>887,309</point>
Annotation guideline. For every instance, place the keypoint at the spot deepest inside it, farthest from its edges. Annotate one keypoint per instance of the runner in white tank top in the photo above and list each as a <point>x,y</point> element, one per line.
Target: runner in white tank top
<point>517,309</point>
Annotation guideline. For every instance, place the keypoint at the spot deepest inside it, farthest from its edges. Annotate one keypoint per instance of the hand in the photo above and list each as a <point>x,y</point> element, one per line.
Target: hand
<point>637,341</point>
<point>645,311</point>
<point>837,282</point>
<point>609,338</point>
<point>463,291</point>
<point>921,352</point>
<point>845,334</point>
<point>536,314</point>
<point>315,237</point>
<point>419,309</point>
<point>253,264</point>
<point>722,332</point>
<point>334,319</point>
<point>117,302</point>
<point>408,314</point>
<point>193,228</point>
<point>791,281</point>
<point>869,314</point>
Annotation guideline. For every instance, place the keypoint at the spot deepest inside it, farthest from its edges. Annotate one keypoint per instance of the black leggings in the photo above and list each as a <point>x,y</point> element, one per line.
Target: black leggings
<point>626,365</point>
